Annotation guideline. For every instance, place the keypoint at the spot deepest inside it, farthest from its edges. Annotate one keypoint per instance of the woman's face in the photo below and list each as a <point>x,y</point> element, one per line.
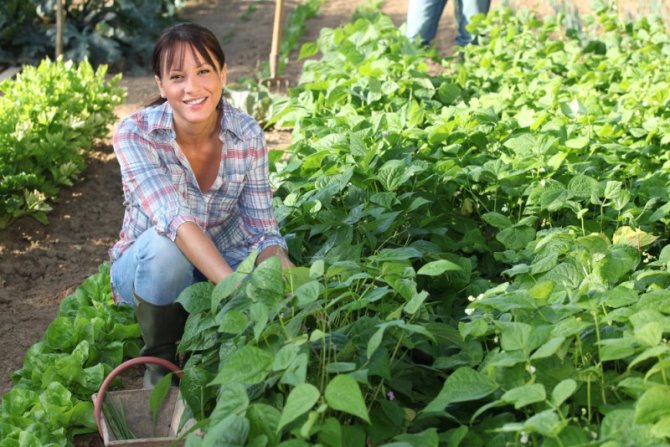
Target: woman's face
<point>192,86</point>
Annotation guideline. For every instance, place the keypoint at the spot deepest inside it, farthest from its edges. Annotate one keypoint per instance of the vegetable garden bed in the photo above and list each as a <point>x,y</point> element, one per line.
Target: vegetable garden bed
<point>484,253</point>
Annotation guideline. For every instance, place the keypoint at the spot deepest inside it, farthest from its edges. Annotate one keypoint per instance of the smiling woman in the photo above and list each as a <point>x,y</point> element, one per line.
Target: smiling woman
<point>197,193</point>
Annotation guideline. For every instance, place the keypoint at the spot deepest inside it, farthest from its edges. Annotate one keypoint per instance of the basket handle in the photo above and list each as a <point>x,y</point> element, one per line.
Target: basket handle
<point>100,396</point>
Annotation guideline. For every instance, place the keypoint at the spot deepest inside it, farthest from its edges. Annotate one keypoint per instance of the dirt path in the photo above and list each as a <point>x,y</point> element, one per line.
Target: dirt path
<point>40,265</point>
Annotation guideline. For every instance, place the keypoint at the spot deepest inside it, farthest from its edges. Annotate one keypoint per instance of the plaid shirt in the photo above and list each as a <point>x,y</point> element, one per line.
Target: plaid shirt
<point>161,190</point>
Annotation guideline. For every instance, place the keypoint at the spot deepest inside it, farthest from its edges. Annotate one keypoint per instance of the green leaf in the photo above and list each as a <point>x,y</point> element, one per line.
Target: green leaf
<point>158,395</point>
<point>263,421</point>
<point>233,322</point>
<point>621,296</point>
<point>616,423</point>
<point>308,49</point>
<point>548,349</point>
<point>393,174</point>
<point>522,144</point>
<point>300,400</point>
<point>649,334</point>
<point>448,93</point>
<point>633,237</point>
<point>542,290</point>
<point>258,314</point>
<point>583,186</point>
<point>516,238</point>
<point>195,390</point>
<point>230,432</point>
<point>546,423</point>
<point>249,365</point>
<point>437,268</point>
<point>225,289</point>
<point>426,438</point>
<point>617,348</point>
<point>577,143</point>
<point>525,395</point>
<point>497,220</point>
<point>415,303</point>
<point>268,275</point>
<point>396,254</point>
<point>343,394</point>
<point>612,190</point>
<point>554,197</point>
<point>661,429</point>
<point>197,297</point>
<point>375,341</point>
<point>308,293</point>
<point>465,384</point>
<point>232,399</point>
<point>514,336</point>
<point>562,391</point>
<point>475,328</point>
<point>652,406</point>
<point>621,260</point>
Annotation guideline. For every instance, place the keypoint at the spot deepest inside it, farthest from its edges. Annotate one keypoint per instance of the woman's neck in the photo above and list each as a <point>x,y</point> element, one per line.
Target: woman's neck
<point>196,134</point>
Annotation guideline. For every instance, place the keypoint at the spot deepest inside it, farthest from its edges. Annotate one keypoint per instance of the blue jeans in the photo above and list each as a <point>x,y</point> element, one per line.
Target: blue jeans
<point>423,18</point>
<point>155,268</point>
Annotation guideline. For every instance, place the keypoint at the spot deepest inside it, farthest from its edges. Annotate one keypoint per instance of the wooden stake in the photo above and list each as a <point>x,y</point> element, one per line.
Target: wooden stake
<point>59,28</point>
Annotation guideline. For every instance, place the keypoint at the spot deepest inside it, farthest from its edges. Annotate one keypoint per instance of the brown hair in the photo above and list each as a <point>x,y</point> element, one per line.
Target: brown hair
<point>169,46</point>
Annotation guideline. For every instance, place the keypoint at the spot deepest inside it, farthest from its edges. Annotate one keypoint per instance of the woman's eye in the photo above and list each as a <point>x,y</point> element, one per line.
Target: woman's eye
<point>204,71</point>
<point>175,77</point>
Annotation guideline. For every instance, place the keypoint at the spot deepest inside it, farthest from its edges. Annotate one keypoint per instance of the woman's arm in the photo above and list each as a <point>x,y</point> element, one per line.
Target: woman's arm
<point>201,251</point>
<point>256,209</point>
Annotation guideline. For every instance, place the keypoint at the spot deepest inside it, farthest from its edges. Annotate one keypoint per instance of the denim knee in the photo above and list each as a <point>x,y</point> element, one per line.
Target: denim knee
<point>162,272</point>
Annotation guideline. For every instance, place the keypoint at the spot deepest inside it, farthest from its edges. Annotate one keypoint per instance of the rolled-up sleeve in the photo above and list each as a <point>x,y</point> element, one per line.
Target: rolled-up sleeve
<point>255,203</point>
<point>147,181</point>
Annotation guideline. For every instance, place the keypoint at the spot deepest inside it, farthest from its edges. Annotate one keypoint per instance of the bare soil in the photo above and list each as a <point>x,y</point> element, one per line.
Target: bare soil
<point>42,264</point>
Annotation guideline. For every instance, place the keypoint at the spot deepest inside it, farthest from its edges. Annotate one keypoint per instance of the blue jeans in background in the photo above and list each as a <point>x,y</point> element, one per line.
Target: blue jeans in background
<point>423,18</point>
<point>156,268</point>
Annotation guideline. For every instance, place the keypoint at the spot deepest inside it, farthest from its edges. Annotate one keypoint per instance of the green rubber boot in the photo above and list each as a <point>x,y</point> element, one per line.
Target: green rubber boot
<point>161,328</point>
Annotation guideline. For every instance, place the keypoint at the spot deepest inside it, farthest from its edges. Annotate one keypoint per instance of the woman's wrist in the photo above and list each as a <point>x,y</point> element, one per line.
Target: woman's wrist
<point>274,250</point>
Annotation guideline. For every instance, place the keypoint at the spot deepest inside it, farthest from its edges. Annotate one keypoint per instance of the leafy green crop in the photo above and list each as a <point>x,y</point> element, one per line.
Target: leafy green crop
<point>50,402</point>
<point>485,250</point>
<point>49,117</point>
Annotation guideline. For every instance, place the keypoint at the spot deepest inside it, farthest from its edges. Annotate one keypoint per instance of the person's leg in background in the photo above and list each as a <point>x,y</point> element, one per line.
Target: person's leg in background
<point>465,10</point>
<point>150,275</point>
<point>423,18</point>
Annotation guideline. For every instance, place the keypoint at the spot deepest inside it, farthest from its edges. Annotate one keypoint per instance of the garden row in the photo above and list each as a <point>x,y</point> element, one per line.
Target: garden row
<point>50,117</point>
<point>484,251</point>
<point>50,402</point>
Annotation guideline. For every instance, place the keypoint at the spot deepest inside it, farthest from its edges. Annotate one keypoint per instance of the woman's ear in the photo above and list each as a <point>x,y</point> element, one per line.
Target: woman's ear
<point>160,86</point>
<point>224,72</point>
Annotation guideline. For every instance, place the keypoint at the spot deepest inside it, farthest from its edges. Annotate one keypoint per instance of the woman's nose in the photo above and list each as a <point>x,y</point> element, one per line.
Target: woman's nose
<point>191,83</point>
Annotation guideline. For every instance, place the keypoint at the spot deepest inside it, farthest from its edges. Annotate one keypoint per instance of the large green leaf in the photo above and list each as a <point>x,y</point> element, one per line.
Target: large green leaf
<point>248,365</point>
<point>299,401</point>
<point>525,395</point>
<point>344,394</point>
<point>652,406</point>
<point>465,384</point>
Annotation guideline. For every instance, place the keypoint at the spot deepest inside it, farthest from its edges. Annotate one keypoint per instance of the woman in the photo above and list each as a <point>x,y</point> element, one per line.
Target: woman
<point>196,187</point>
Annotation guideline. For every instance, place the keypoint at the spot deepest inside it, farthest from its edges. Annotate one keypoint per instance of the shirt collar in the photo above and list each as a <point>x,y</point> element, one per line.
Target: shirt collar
<point>161,119</point>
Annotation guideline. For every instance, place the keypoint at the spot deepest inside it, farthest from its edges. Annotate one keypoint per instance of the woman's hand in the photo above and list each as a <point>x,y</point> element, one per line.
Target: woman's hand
<point>275,250</point>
